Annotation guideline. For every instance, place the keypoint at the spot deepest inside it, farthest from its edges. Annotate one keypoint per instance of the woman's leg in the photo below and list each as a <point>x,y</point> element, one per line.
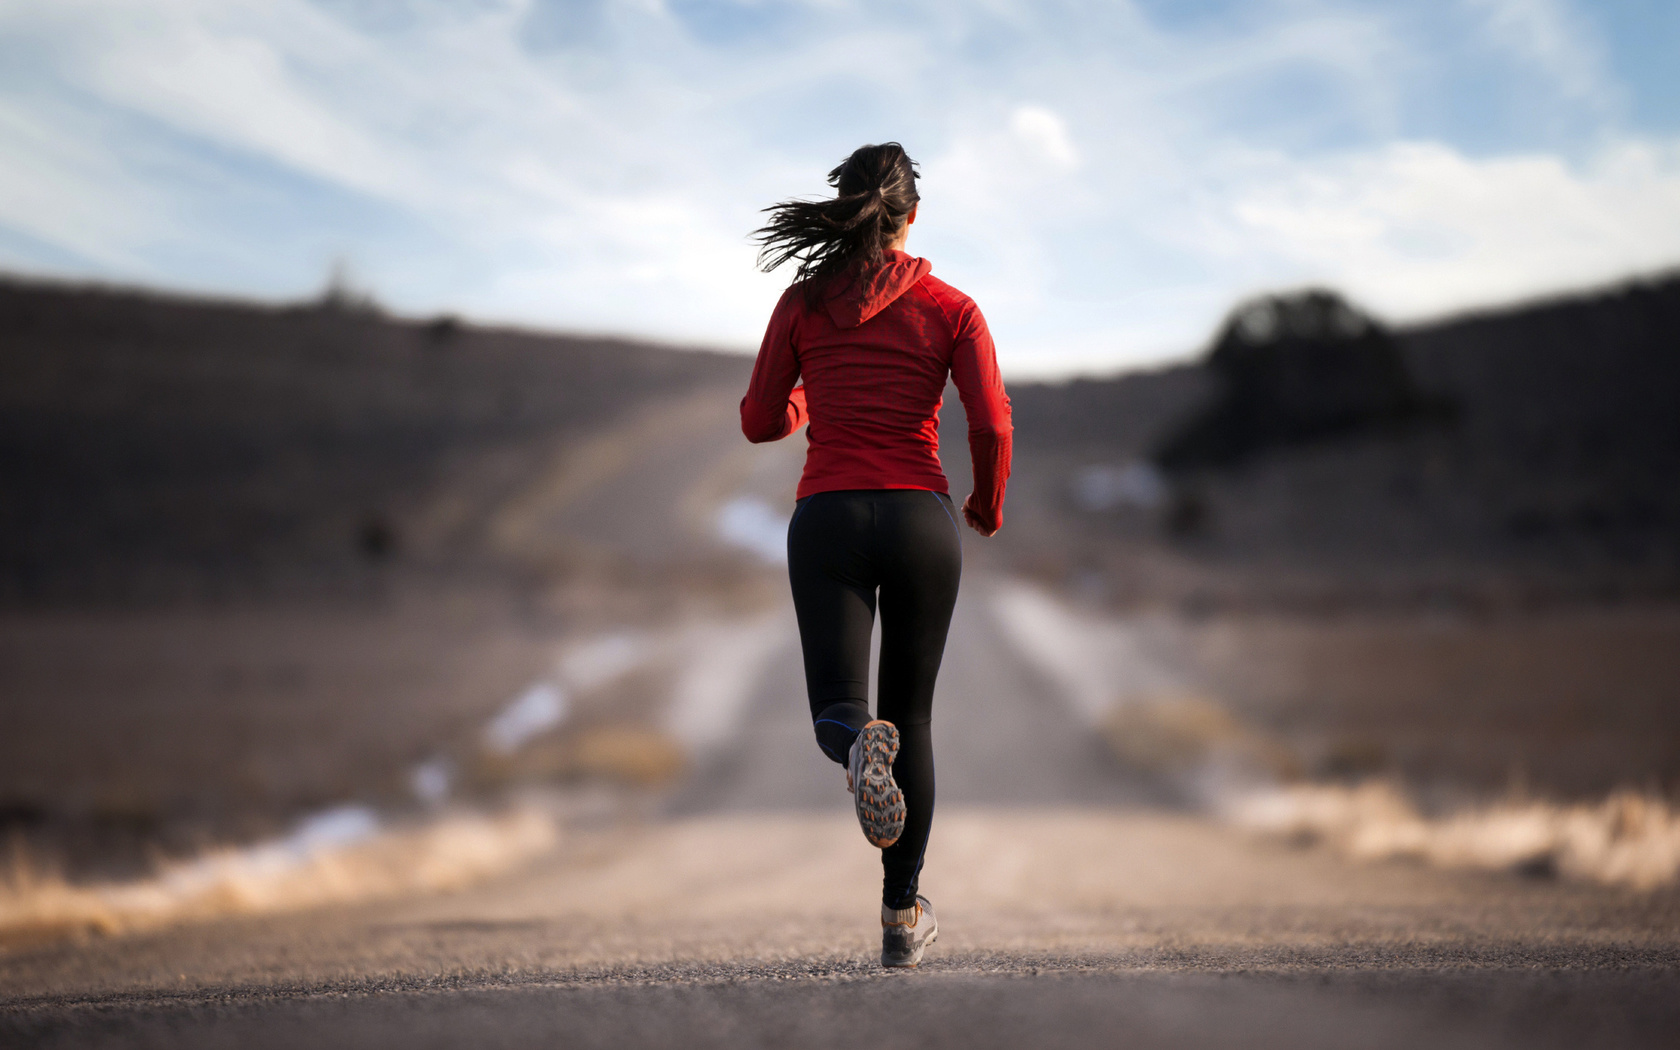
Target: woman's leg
<point>920,566</point>
<point>834,596</point>
<point>842,546</point>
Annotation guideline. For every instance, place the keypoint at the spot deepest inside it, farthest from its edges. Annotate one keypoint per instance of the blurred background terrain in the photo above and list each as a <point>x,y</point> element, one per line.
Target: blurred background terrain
<point>256,561</point>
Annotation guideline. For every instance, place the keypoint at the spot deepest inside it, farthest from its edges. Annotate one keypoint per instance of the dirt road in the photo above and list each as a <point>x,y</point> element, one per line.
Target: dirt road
<point>1078,907</point>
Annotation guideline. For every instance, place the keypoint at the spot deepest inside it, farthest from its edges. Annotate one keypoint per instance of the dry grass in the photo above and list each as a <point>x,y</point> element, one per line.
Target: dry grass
<point>629,755</point>
<point>1628,839</point>
<point>284,875</point>
<point>1186,733</point>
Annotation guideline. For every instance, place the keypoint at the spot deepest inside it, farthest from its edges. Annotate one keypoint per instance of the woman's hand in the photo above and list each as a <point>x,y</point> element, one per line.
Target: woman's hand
<point>973,518</point>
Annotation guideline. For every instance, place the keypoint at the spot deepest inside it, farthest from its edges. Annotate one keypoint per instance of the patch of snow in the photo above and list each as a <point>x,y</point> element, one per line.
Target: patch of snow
<point>600,660</point>
<point>753,525</point>
<point>1103,487</point>
<point>723,667</point>
<point>537,710</point>
<point>430,780</point>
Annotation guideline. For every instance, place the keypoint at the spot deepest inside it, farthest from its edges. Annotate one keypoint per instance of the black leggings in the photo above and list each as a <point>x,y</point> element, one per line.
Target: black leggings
<point>842,548</point>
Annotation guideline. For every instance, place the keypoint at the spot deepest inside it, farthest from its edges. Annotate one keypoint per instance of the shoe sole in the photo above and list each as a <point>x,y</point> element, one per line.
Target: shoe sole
<point>880,804</point>
<point>915,959</point>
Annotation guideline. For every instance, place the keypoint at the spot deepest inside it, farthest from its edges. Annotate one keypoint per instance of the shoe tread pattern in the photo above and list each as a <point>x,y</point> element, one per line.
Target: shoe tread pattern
<point>880,804</point>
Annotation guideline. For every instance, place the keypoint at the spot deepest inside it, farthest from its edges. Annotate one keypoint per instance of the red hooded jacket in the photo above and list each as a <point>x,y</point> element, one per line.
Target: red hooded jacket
<point>874,358</point>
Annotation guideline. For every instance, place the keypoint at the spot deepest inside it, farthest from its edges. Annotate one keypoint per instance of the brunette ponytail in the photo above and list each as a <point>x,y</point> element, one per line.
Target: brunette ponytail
<point>875,189</point>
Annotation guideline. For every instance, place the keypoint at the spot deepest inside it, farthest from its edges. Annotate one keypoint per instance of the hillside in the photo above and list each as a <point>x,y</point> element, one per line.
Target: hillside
<point>1543,465</point>
<point>154,448</point>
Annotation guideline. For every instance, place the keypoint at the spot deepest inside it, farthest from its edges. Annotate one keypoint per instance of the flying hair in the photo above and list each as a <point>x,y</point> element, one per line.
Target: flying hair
<point>875,190</point>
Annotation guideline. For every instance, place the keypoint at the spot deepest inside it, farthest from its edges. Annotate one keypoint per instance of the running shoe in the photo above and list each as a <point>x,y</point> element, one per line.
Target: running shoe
<point>880,804</point>
<point>906,932</point>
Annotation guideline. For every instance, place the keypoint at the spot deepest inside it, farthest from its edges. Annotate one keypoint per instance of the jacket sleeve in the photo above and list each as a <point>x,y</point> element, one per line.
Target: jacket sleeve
<point>774,407</point>
<point>990,431</point>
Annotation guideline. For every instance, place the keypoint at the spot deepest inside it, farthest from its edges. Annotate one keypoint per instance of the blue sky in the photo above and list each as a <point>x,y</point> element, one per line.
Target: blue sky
<point>1105,178</point>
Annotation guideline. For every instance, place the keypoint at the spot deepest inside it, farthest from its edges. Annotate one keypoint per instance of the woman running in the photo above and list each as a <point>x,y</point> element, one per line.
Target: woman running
<point>873,335</point>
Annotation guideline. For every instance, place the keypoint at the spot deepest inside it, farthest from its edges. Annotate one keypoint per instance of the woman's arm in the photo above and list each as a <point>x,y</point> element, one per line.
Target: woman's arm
<point>990,432</point>
<point>774,407</point>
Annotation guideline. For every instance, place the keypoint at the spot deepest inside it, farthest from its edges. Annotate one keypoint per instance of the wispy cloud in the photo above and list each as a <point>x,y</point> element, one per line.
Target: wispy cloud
<point>1415,226</point>
<point>1557,40</point>
<point>1104,177</point>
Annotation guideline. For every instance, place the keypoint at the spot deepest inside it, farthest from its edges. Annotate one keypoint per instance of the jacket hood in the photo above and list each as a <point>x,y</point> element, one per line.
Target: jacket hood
<point>856,299</point>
